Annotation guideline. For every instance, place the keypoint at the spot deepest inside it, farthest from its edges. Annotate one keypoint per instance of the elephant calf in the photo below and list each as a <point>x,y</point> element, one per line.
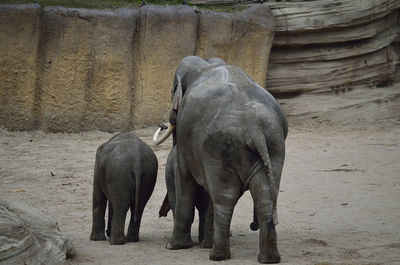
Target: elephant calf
<point>125,174</point>
<point>201,202</point>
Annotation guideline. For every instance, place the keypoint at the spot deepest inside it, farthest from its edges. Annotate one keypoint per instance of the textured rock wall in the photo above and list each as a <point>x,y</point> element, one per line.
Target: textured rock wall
<point>68,69</point>
<point>243,40</point>
<point>19,39</point>
<point>86,78</point>
<point>166,34</point>
<point>65,69</point>
<point>324,45</point>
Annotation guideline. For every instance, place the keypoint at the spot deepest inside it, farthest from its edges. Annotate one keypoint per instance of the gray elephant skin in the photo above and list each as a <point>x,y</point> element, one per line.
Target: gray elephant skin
<point>201,202</point>
<point>230,137</point>
<point>125,174</point>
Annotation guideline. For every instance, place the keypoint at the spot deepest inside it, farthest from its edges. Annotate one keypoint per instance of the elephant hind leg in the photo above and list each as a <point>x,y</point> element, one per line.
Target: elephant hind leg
<point>205,220</point>
<point>261,192</point>
<point>99,208</point>
<point>120,208</point>
<point>224,202</point>
<point>110,214</point>
<point>134,225</point>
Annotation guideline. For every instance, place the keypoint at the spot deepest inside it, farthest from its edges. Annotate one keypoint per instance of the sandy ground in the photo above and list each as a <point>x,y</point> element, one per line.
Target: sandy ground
<point>339,201</point>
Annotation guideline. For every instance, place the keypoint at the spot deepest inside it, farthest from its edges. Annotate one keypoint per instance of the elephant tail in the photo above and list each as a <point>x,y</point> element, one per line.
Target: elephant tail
<point>262,149</point>
<point>138,175</point>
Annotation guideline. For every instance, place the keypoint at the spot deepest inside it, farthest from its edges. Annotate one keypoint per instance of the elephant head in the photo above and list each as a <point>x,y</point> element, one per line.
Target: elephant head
<point>187,70</point>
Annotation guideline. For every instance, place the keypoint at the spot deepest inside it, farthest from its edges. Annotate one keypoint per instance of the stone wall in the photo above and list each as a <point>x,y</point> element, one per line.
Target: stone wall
<point>19,39</point>
<point>86,69</point>
<point>328,46</point>
<point>325,45</point>
<point>69,69</point>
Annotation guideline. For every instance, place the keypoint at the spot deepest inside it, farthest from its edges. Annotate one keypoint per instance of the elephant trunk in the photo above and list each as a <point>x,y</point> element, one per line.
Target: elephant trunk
<point>163,137</point>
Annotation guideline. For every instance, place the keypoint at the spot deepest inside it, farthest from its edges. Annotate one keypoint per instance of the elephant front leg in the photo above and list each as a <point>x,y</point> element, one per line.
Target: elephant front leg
<point>99,208</point>
<point>261,193</point>
<point>184,211</point>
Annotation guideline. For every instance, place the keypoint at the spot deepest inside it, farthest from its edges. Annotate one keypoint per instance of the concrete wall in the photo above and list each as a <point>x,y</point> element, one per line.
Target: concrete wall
<point>68,69</point>
<point>19,40</point>
<point>86,69</point>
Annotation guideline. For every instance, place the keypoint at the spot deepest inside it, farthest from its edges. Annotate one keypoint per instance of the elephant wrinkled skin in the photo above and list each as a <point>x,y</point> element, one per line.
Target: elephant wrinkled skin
<point>230,137</point>
<point>125,174</point>
<point>201,201</point>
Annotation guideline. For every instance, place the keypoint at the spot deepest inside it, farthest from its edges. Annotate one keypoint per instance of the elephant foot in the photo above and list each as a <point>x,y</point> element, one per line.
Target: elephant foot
<point>268,259</point>
<point>97,236</point>
<point>269,253</point>
<point>132,238</point>
<point>206,243</point>
<point>218,254</point>
<point>179,244</point>
<point>117,240</point>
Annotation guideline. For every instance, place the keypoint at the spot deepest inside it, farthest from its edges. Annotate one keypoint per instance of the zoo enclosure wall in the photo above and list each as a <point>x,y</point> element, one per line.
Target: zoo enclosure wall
<point>69,69</point>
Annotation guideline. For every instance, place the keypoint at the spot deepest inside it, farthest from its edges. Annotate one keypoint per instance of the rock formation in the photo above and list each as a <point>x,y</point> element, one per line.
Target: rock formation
<point>30,237</point>
<point>71,69</point>
<point>334,45</point>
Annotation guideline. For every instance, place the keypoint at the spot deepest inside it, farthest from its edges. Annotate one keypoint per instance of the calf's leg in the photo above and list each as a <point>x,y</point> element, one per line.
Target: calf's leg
<point>99,208</point>
<point>120,208</point>
<point>184,210</point>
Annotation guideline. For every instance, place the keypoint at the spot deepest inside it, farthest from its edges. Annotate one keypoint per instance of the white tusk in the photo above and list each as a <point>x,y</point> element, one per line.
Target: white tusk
<point>155,137</point>
<point>164,136</point>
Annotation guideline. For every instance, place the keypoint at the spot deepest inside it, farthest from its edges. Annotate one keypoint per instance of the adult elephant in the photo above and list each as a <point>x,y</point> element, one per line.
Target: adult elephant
<point>230,135</point>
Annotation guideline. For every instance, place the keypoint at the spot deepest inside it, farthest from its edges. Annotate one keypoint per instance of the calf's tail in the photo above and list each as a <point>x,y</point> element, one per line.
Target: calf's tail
<point>137,195</point>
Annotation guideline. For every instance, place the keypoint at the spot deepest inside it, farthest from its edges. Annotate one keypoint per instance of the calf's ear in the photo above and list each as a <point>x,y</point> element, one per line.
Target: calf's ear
<point>178,94</point>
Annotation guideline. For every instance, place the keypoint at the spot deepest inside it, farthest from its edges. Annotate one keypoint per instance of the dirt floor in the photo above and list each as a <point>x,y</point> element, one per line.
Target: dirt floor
<point>339,201</point>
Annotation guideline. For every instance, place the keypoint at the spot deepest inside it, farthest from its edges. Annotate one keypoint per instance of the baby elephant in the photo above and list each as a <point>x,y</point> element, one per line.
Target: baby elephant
<point>125,174</point>
<point>201,202</point>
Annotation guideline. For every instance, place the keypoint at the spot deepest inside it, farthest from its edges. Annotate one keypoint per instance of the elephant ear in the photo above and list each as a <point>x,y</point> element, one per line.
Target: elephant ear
<point>177,98</point>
